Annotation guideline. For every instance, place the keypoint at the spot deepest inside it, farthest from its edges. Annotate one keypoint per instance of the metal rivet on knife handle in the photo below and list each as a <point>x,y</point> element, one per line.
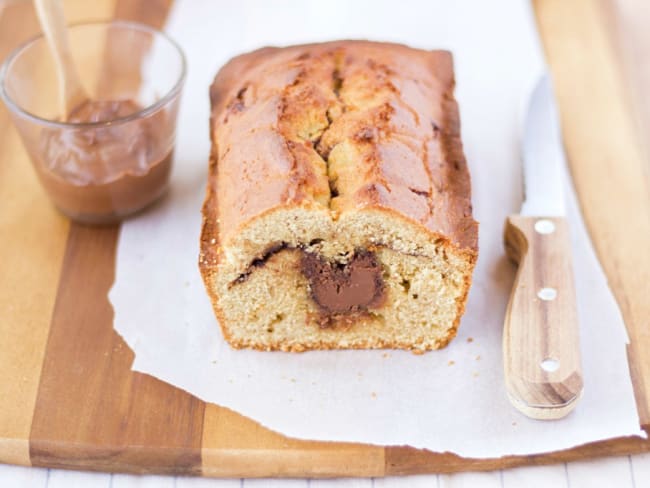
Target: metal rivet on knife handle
<point>544,226</point>
<point>547,293</point>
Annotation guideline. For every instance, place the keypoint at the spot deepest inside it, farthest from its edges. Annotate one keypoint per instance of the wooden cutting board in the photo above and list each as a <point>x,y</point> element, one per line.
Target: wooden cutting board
<point>68,397</point>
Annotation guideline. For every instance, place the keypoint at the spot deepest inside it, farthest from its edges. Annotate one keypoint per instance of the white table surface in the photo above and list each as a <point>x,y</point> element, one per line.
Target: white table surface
<point>616,472</point>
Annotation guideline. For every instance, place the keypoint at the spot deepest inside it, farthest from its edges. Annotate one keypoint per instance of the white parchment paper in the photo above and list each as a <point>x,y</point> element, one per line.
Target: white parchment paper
<point>450,400</point>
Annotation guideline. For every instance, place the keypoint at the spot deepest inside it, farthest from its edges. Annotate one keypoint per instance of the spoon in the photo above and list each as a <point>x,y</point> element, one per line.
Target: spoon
<point>52,20</point>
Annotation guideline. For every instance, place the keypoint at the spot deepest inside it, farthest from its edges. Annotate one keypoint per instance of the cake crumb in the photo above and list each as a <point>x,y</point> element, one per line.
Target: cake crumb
<point>478,358</point>
<point>385,355</point>
<point>475,375</point>
<point>451,362</point>
<point>373,394</point>
<point>514,424</point>
<point>470,339</point>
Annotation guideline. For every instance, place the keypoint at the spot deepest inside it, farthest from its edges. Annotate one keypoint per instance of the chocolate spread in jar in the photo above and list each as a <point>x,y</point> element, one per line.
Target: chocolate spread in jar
<point>99,174</point>
<point>339,288</point>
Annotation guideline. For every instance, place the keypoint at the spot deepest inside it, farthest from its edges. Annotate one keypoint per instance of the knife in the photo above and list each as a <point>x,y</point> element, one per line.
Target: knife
<point>541,353</point>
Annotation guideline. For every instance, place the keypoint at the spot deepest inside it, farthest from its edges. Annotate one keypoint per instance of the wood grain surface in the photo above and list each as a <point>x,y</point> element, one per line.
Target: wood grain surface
<point>627,24</point>
<point>92,411</point>
<point>68,397</point>
<point>236,446</point>
<point>607,163</point>
<point>538,327</point>
<point>31,257</point>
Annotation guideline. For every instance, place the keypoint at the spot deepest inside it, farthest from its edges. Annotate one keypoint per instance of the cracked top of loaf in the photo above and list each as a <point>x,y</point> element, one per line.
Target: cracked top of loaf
<point>338,126</point>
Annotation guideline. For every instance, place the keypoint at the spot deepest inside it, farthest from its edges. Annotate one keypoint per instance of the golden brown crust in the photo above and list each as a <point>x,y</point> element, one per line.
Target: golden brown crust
<point>339,127</point>
<point>279,113</point>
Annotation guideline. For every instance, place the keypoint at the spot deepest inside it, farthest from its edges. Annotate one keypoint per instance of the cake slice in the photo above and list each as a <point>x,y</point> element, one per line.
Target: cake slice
<point>338,210</point>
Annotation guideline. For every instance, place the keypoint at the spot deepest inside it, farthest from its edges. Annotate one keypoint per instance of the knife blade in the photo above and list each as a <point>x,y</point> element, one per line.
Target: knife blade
<point>543,156</point>
<point>541,353</point>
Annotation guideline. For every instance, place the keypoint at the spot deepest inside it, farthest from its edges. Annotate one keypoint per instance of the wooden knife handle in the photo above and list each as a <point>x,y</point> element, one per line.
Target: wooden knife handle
<point>541,353</point>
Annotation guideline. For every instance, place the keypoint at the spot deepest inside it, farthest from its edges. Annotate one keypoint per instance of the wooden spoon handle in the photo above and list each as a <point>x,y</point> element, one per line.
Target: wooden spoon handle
<point>541,352</point>
<point>52,19</point>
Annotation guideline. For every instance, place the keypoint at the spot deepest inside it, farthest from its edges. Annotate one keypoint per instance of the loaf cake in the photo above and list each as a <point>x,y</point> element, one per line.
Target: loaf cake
<point>338,210</point>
